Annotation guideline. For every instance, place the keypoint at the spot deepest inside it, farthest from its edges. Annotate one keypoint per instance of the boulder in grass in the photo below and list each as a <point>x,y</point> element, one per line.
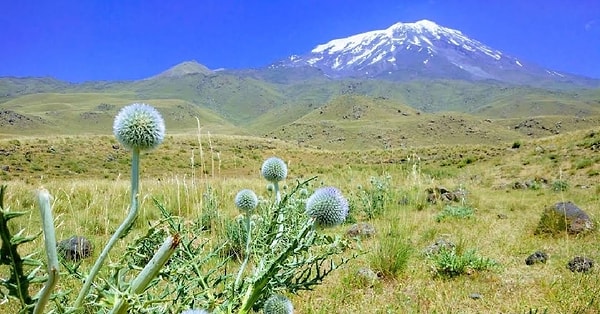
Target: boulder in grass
<point>565,216</point>
<point>75,248</point>
<point>580,264</point>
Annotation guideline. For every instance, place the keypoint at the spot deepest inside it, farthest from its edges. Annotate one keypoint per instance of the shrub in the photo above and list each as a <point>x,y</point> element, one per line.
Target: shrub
<point>374,198</point>
<point>448,262</point>
<point>560,186</point>
<point>459,212</point>
<point>391,255</point>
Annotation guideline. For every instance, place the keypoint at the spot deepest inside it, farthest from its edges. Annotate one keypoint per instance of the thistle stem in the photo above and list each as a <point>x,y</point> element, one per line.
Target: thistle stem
<point>51,254</point>
<point>245,263</point>
<point>280,215</point>
<point>125,225</point>
<point>277,193</point>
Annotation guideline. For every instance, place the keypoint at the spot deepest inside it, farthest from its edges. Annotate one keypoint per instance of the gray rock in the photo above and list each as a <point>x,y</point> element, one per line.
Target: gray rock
<point>440,244</point>
<point>367,275</point>
<point>580,264</point>
<point>361,229</point>
<point>75,248</point>
<point>537,257</point>
<point>443,194</point>
<point>565,216</point>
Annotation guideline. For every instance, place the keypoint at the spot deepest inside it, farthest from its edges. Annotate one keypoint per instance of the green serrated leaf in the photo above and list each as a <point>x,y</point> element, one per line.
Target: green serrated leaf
<point>38,279</point>
<point>17,240</point>
<point>33,272</point>
<point>31,262</point>
<point>8,215</point>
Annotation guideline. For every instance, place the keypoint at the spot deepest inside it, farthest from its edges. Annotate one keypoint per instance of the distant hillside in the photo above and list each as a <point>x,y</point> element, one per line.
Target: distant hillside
<point>93,113</point>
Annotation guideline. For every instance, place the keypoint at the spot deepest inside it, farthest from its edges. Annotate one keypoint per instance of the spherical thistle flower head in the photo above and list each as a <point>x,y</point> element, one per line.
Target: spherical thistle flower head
<point>246,200</point>
<point>328,206</point>
<point>278,304</point>
<point>139,126</point>
<point>274,169</point>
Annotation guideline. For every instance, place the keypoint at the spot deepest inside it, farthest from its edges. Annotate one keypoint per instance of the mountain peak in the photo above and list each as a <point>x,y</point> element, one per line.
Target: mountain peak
<point>422,49</point>
<point>422,24</point>
<point>183,69</point>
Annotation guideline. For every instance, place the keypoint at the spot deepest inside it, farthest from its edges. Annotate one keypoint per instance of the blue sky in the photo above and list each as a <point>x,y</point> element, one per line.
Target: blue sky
<point>81,40</point>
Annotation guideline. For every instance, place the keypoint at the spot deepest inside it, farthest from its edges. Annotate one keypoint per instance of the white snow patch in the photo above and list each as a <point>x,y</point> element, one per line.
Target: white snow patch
<point>337,63</point>
<point>467,47</point>
<point>314,60</point>
<point>425,39</point>
<point>494,54</point>
<point>392,59</point>
<point>378,57</point>
<point>554,73</point>
<point>518,63</point>
<point>416,41</point>
<point>426,60</point>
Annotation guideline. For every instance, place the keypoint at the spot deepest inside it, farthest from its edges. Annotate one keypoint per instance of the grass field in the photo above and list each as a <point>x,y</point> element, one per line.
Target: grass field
<point>88,177</point>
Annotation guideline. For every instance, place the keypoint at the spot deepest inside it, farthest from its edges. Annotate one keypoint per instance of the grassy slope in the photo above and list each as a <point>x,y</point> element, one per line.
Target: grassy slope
<point>91,113</point>
<point>92,185</point>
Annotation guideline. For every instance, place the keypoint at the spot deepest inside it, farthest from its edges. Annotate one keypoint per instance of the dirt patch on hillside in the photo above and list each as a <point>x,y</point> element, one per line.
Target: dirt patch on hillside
<point>9,118</point>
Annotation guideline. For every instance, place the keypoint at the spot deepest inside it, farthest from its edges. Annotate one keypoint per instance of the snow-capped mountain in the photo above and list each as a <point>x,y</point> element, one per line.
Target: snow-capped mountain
<point>422,49</point>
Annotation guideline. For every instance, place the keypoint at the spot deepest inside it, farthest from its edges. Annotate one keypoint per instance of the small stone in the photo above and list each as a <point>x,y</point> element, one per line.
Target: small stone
<point>361,229</point>
<point>439,245</point>
<point>580,264</point>
<point>475,296</point>
<point>367,275</point>
<point>537,257</point>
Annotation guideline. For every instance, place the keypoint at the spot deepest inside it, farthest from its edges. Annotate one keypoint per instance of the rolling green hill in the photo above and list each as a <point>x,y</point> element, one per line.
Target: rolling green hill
<point>93,113</point>
<point>303,107</point>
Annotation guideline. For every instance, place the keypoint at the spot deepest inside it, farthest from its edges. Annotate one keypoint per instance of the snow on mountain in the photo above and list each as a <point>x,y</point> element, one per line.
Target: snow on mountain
<point>422,49</point>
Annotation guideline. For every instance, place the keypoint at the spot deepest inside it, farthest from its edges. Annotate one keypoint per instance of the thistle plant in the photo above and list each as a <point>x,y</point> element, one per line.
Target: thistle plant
<point>287,249</point>
<point>274,170</point>
<point>327,206</point>
<point>246,200</point>
<point>51,253</point>
<point>138,127</point>
<point>200,276</point>
<point>17,285</point>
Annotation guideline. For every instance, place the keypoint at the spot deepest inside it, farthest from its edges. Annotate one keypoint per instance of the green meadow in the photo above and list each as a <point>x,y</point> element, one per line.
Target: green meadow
<point>507,153</point>
<point>88,178</point>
